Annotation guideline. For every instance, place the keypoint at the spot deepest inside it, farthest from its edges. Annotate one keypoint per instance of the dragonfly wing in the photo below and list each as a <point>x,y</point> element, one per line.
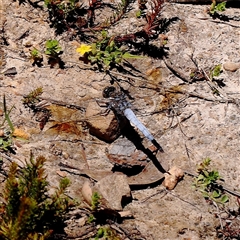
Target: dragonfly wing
<point>129,114</point>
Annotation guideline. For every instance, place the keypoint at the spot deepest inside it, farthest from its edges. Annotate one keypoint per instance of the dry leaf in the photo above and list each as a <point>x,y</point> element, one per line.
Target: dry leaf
<point>20,133</point>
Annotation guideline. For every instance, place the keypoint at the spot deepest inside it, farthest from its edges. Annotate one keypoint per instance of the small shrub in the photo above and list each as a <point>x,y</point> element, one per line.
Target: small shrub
<point>106,233</point>
<point>95,201</point>
<point>206,183</point>
<point>216,71</point>
<point>32,98</point>
<point>53,48</point>
<point>28,212</point>
<point>36,56</point>
<point>214,8</point>
<point>65,14</point>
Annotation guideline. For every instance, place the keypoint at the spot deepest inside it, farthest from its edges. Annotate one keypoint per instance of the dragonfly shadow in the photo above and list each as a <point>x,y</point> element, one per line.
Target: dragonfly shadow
<point>132,135</point>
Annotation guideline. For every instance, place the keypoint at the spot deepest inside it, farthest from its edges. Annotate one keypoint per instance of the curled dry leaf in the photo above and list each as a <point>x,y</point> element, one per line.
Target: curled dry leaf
<point>87,192</point>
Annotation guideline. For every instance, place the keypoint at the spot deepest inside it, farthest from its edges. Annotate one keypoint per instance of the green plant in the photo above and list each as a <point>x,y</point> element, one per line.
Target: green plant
<point>53,49</point>
<point>106,233</point>
<point>6,133</point>
<point>36,56</point>
<point>65,6</point>
<point>206,183</point>
<point>67,14</point>
<point>91,219</point>
<point>216,71</point>
<point>28,212</point>
<point>104,52</point>
<point>139,13</point>
<point>32,98</point>
<point>95,201</point>
<point>121,9</point>
<point>214,8</point>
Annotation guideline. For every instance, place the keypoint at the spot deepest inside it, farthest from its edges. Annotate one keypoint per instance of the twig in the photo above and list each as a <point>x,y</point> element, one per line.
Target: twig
<point>193,94</point>
<point>218,214</point>
<point>210,83</point>
<point>175,71</point>
<point>153,195</point>
<point>183,200</point>
<point>10,159</point>
<point>122,230</point>
<point>221,22</point>
<point>128,76</point>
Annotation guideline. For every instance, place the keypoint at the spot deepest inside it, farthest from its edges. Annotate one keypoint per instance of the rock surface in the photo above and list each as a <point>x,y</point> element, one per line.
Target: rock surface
<point>104,126</point>
<point>115,190</point>
<point>192,120</point>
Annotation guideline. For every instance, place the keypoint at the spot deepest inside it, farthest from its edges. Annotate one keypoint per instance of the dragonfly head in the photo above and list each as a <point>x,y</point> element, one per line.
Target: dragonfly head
<point>108,91</point>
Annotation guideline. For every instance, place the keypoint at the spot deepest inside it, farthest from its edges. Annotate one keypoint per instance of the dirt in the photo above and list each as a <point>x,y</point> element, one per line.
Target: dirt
<point>190,119</point>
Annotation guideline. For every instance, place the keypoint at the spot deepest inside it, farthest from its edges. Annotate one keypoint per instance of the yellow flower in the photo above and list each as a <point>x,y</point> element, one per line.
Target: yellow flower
<point>84,48</point>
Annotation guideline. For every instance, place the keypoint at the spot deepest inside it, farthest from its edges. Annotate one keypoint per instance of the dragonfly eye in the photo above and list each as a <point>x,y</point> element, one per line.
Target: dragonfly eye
<point>107,91</point>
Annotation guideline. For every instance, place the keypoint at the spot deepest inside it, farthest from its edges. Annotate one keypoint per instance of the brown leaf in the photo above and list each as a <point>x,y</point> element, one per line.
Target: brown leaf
<point>20,133</point>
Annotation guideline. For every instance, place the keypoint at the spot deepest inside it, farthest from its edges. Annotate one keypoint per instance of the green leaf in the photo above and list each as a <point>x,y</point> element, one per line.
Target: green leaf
<point>216,194</point>
<point>6,114</point>
<point>104,33</point>
<point>221,7</point>
<point>138,13</point>
<point>224,199</point>
<point>94,48</point>
<point>129,55</point>
<point>52,47</point>
<point>216,71</point>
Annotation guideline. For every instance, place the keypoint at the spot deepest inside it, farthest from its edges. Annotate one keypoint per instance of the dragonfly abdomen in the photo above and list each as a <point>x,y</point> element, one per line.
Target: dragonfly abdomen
<point>129,114</point>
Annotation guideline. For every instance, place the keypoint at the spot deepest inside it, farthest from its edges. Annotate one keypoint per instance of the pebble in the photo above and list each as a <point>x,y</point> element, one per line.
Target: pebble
<point>231,66</point>
<point>173,176</point>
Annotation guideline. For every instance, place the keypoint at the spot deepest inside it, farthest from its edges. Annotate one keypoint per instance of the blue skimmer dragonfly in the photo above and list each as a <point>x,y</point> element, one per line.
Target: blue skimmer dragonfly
<point>121,107</point>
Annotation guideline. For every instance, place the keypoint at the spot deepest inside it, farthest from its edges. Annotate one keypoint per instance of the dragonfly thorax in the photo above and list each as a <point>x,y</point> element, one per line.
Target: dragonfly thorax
<point>109,92</point>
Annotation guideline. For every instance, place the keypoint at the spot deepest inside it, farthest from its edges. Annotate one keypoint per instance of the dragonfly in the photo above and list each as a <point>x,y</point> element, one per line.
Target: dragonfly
<point>119,104</point>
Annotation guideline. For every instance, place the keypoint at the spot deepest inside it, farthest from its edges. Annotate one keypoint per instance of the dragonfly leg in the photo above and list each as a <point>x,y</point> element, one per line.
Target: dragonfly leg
<point>105,112</point>
<point>102,102</point>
